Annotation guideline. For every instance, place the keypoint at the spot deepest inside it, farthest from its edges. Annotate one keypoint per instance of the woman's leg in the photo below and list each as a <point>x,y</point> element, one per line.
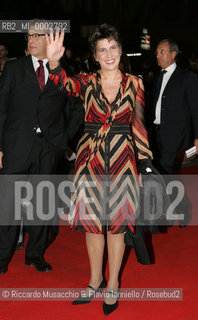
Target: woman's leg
<point>116,248</point>
<point>95,248</point>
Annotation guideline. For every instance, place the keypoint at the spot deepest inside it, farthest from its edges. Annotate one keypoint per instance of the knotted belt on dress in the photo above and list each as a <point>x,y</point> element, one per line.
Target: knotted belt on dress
<point>100,131</point>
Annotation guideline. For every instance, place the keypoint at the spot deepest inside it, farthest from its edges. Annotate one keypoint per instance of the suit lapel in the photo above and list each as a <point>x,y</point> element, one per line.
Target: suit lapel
<point>30,75</point>
<point>172,79</point>
<point>170,83</point>
<point>49,84</point>
<point>29,71</point>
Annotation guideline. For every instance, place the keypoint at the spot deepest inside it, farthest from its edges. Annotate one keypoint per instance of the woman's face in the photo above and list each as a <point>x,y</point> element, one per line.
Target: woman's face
<point>108,53</point>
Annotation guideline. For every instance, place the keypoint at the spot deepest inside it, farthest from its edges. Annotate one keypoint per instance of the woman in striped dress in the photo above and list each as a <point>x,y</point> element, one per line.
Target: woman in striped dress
<point>106,163</point>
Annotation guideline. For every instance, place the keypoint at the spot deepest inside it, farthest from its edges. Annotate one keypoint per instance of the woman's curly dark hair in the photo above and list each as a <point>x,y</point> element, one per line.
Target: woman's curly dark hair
<point>104,31</point>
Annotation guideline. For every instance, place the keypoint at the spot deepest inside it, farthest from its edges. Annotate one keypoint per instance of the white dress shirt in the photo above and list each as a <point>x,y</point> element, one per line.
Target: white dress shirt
<point>166,77</point>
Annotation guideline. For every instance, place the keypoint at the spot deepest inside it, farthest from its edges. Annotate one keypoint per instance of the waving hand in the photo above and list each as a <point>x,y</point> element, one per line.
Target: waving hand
<point>55,48</point>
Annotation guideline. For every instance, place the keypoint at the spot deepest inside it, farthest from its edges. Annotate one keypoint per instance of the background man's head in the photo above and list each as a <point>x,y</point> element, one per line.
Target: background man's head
<point>166,52</point>
<point>3,51</point>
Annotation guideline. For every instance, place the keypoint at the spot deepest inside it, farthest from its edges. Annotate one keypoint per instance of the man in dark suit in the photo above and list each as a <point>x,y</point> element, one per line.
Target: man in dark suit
<point>175,107</point>
<point>33,134</point>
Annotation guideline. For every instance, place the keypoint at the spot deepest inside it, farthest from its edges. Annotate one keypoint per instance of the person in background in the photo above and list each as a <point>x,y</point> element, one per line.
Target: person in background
<point>3,57</point>
<point>175,107</point>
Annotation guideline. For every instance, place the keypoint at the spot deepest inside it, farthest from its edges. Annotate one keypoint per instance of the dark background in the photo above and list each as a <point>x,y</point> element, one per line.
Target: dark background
<point>164,19</point>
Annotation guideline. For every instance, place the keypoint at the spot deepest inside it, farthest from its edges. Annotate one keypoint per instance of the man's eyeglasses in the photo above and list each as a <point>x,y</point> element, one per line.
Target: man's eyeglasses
<point>34,36</point>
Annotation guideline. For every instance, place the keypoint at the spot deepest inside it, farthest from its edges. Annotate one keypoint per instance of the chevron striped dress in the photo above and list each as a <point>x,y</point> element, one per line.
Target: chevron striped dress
<point>106,180</point>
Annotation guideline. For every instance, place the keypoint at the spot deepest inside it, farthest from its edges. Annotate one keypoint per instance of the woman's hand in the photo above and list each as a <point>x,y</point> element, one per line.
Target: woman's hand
<point>55,48</point>
<point>196,145</point>
<point>140,180</point>
<point>1,156</point>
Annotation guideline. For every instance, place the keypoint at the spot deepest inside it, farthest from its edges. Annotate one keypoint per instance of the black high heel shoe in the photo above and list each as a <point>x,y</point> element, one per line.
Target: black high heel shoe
<point>109,308</point>
<point>82,299</point>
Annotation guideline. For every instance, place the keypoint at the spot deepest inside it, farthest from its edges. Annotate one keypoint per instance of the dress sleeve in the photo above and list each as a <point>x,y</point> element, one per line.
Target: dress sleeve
<point>75,86</point>
<point>140,135</point>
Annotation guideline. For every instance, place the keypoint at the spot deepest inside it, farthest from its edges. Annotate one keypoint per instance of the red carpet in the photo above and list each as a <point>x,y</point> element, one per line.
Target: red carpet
<point>176,266</point>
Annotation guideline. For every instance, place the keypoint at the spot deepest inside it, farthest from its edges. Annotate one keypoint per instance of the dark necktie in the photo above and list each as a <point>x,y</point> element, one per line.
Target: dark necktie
<point>41,75</point>
<point>159,84</point>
